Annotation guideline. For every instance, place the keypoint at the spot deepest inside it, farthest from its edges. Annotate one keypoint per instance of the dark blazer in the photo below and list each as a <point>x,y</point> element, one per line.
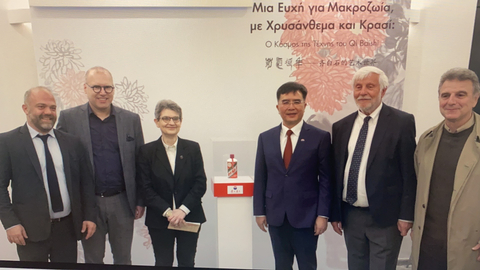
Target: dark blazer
<point>158,183</point>
<point>19,164</point>
<point>390,177</point>
<point>303,191</point>
<point>130,137</point>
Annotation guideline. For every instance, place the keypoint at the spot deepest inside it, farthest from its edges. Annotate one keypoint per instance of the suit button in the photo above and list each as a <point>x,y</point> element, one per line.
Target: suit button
<point>286,175</point>
<point>423,205</point>
<point>419,227</point>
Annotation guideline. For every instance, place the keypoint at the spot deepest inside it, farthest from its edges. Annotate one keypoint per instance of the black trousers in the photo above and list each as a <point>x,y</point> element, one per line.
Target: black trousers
<point>61,246</point>
<point>433,253</point>
<point>288,242</point>
<point>163,241</point>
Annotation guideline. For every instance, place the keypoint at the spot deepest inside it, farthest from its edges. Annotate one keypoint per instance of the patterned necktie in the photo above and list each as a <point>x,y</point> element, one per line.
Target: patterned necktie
<point>53,188</point>
<point>287,154</point>
<point>352,183</point>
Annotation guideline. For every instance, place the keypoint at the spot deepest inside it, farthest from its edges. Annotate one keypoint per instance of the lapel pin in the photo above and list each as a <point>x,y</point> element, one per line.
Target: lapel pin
<point>181,156</point>
<point>302,140</point>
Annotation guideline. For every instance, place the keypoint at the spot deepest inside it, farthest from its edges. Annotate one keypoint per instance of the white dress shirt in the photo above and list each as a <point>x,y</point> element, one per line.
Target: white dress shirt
<point>171,151</point>
<point>362,200</point>
<point>294,137</point>
<point>54,149</point>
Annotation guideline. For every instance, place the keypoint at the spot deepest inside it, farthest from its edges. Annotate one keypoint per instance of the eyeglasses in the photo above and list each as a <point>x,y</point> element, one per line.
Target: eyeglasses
<point>167,119</point>
<point>97,88</point>
<point>295,102</point>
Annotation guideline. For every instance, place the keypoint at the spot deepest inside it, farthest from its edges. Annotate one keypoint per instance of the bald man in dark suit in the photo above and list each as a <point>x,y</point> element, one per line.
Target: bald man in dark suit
<point>52,201</point>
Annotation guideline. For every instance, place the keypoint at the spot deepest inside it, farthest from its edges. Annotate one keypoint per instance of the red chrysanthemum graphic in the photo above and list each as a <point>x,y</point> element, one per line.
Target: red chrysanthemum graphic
<point>311,41</point>
<point>69,88</point>
<point>361,41</point>
<point>327,85</point>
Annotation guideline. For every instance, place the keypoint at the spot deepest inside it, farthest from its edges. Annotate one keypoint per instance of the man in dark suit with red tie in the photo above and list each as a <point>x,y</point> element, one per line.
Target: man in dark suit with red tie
<point>52,200</point>
<point>375,177</point>
<point>292,182</point>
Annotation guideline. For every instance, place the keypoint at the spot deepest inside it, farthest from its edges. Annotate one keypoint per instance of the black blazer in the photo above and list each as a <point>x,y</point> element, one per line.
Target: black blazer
<point>390,177</point>
<point>19,164</point>
<point>158,183</point>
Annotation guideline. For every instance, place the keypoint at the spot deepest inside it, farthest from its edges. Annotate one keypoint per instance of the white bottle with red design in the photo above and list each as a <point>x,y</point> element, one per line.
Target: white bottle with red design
<point>232,167</point>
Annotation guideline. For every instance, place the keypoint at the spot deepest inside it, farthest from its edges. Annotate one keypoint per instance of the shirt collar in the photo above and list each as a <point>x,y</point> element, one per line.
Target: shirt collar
<point>296,129</point>
<point>373,115</point>
<point>174,146</point>
<point>465,126</point>
<point>90,111</point>
<point>34,133</point>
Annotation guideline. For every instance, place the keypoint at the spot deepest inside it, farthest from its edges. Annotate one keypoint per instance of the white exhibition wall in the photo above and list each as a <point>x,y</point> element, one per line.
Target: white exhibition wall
<point>441,40</point>
<point>18,73</point>
<point>197,59</point>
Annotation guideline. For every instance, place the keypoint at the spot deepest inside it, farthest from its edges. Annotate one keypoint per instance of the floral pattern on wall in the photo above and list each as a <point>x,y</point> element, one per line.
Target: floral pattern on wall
<point>63,72</point>
<point>326,68</point>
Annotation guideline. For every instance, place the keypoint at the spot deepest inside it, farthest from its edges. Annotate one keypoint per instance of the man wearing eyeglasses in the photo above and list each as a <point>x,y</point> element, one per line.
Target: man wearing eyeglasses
<point>292,182</point>
<point>112,137</point>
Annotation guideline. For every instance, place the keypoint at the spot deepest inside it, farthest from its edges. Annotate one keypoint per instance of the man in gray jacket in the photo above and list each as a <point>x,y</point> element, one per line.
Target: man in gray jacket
<point>112,136</point>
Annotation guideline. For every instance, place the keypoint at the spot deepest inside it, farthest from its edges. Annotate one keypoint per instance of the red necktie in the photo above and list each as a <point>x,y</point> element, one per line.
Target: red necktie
<point>287,154</point>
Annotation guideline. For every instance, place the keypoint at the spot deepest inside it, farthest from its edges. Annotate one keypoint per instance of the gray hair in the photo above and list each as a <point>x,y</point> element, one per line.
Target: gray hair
<point>167,104</point>
<point>28,93</point>
<point>461,74</point>
<point>365,71</point>
<point>97,69</point>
